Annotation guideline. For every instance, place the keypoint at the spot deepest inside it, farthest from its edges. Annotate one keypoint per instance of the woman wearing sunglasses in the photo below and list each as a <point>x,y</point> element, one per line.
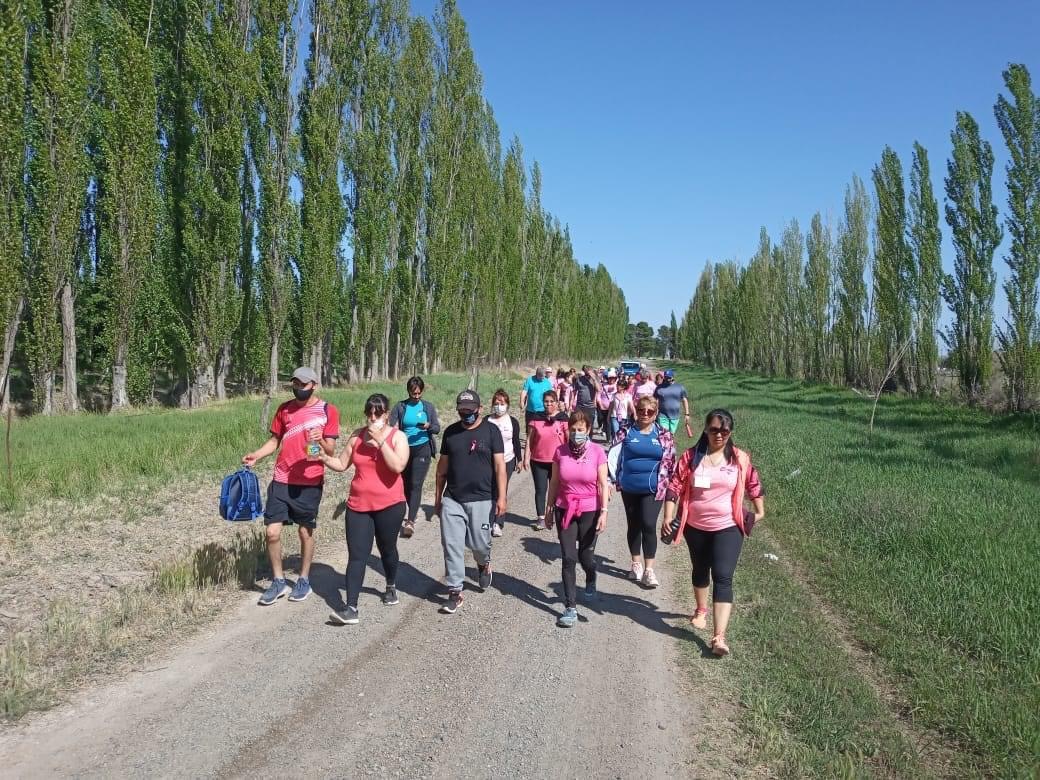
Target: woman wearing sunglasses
<point>375,504</point>
<point>711,481</point>
<point>641,463</point>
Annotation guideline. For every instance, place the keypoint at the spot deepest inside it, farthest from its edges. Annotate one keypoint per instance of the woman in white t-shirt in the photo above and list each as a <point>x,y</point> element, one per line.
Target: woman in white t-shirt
<point>510,428</point>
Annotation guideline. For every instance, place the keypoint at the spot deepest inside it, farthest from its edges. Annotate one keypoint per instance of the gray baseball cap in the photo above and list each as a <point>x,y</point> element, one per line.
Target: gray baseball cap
<point>305,374</point>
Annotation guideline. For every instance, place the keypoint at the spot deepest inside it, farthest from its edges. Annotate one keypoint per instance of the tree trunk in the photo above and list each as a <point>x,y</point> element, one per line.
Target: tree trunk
<point>120,399</point>
<point>272,374</point>
<point>317,350</point>
<point>10,333</point>
<point>200,384</point>
<point>45,405</point>
<point>220,371</point>
<point>68,347</point>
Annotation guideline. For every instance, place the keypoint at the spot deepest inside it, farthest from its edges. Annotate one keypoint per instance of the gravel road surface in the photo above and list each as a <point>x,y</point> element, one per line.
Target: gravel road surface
<point>496,690</point>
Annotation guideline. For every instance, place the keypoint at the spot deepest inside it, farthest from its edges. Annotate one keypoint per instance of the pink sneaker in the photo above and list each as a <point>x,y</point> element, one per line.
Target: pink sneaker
<point>636,574</point>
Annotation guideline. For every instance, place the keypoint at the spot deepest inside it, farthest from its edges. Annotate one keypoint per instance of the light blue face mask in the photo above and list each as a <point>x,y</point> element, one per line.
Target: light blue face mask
<point>468,418</point>
<point>578,439</point>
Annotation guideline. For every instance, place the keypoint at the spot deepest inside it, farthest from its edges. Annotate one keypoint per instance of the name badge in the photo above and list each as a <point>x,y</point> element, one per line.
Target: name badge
<point>701,481</point>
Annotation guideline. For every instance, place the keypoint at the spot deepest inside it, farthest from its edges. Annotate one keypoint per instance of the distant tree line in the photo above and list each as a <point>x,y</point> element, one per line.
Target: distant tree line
<point>179,201</point>
<point>846,304</point>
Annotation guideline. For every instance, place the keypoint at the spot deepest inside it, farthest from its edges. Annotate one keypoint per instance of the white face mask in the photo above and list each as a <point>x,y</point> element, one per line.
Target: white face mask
<point>377,425</point>
<point>500,409</point>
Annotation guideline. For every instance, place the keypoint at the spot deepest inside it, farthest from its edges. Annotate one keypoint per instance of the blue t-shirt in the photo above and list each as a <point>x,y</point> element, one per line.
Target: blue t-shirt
<point>414,415</point>
<point>670,399</point>
<point>535,389</point>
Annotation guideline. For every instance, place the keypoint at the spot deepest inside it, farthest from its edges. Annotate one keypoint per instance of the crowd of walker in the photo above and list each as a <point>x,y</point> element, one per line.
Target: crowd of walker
<point>703,491</point>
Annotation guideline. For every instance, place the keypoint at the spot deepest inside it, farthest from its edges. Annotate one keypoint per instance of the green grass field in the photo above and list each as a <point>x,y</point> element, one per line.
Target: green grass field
<point>59,457</point>
<point>923,541</point>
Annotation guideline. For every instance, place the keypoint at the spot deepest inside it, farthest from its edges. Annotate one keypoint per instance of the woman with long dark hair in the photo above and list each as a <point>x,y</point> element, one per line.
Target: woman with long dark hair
<point>711,482</point>
<point>418,421</point>
<point>375,504</point>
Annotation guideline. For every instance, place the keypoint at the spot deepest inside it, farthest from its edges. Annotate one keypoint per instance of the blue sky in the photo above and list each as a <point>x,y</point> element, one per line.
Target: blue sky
<point>669,132</point>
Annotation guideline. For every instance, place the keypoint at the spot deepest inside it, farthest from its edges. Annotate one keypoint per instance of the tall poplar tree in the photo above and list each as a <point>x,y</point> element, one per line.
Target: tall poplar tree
<point>1019,121</point>
<point>923,237</point>
<point>817,301</point>
<point>968,292</point>
<point>329,77</point>
<point>128,199</point>
<point>13,53</point>
<point>59,48</point>
<point>894,277</point>
<point>275,150</point>
<point>852,257</point>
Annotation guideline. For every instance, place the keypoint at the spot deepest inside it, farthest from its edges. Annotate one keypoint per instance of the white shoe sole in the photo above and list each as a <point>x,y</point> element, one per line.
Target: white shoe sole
<point>335,618</point>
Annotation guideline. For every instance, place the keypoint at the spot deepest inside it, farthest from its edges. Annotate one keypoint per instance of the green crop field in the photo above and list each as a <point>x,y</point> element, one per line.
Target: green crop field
<point>921,541</point>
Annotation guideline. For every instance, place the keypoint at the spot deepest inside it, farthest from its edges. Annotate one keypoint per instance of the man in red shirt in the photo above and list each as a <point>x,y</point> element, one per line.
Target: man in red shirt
<point>295,490</point>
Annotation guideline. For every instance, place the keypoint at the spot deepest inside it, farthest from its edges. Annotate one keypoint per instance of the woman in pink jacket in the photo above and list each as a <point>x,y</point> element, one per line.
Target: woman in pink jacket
<point>710,484</point>
<point>578,495</point>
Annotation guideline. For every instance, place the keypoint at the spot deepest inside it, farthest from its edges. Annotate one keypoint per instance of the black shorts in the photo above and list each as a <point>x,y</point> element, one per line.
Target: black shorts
<point>292,504</point>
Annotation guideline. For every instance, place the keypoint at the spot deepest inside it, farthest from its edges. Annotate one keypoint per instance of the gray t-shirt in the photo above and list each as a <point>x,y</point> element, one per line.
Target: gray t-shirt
<point>586,391</point>
<point>669,399</point>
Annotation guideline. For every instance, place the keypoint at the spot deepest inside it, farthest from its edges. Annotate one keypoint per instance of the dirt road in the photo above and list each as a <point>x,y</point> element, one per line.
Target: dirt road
<point>496,690</point>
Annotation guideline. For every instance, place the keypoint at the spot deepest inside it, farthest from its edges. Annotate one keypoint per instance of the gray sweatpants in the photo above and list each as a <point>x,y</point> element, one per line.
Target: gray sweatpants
<point>464,525</point>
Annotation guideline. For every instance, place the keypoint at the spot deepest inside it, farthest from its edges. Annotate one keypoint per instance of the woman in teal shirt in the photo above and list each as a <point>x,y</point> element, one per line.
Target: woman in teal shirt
<point>417,419</point>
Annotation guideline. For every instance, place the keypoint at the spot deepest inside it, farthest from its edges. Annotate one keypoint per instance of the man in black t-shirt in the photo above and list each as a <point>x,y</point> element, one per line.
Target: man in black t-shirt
<point>471,464</point>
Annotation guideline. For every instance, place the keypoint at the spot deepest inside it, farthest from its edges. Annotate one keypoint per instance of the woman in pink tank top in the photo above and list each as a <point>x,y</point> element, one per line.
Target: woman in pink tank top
<point>375,503</point>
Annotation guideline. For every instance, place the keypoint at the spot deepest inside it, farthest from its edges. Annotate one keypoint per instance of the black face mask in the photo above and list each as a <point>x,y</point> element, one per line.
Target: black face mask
<point>302,395</point>
<point>468,418</point>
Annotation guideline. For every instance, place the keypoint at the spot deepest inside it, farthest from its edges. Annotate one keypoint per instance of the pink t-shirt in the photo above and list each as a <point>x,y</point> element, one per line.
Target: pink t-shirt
<point>579,477</point>
<point>647,388</point>
<point>547,437</point>
<point>711,508</point>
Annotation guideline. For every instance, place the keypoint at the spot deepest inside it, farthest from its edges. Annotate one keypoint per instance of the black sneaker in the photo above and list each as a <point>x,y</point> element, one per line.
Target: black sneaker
<point>453,603</point>
<point>346,617</point>
<point>390,596</point>
<point>484,580</point>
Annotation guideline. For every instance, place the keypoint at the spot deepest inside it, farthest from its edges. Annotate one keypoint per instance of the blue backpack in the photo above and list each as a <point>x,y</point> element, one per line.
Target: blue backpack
<point>240,496</point>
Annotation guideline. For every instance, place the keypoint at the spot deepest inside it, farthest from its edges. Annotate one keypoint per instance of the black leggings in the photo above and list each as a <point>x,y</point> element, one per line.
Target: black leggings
<point>541,472</point>
<point>641,511</point>
<point>414,477</point>
<point>510,469</point>
<point>577,543</point>
<point>362,527</point>
<point>714,557</point>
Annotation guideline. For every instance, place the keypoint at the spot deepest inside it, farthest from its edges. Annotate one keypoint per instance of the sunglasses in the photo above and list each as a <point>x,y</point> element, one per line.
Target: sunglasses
<point>646,412</point>
<point>723,432</point>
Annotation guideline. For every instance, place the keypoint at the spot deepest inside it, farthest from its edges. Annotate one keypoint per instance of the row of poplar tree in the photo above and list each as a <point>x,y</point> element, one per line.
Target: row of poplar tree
<point>861,305</point>
<point>180,200</point>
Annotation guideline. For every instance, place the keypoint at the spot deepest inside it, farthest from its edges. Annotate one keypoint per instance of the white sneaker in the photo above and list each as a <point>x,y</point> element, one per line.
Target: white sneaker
<point>636,574</point>
<point>496,529</point>
<point>650,579</point>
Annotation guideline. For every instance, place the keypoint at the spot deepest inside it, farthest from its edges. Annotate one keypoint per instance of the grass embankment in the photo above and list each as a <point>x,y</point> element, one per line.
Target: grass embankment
<point>145,459</point>
<point>899,632</point>
<point>84,455</point>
